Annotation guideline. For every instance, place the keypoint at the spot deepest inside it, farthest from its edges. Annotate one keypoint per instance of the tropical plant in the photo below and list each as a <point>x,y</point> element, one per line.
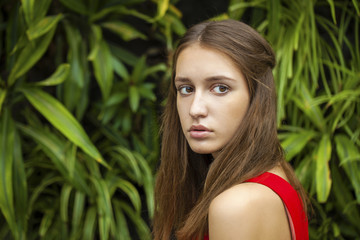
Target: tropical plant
<point>78,126</point>
<point>318,83</point>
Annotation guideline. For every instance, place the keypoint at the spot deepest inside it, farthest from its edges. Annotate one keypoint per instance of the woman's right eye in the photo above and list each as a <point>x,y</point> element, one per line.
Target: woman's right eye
<point>185,90</point>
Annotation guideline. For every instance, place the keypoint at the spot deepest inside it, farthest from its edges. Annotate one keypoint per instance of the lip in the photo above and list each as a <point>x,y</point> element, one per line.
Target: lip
<point>199,131</point>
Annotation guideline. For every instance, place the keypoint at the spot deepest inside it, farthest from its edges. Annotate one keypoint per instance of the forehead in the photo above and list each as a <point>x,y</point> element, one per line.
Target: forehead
<point>201,61</point>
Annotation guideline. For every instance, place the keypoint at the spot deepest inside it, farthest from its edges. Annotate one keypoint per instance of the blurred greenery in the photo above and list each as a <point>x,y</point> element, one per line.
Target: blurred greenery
<point>78,123</point>
<point>318,84</point>
<point>79,104</point>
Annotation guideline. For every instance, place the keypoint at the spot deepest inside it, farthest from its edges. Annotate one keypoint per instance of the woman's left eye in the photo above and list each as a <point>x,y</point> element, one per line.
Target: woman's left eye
<point>221,89</point>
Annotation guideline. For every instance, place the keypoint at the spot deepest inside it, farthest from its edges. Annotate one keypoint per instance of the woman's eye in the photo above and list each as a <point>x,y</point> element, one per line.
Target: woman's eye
<point>186,90</point>
<point>221,89</point>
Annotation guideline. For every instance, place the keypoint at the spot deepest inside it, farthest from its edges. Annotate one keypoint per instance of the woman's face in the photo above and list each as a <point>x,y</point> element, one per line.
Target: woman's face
<point>212,98</point>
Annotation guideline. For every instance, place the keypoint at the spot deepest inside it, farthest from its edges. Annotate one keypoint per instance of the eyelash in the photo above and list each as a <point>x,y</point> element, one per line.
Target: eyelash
<point>180,88</point>
<point>223,86</point>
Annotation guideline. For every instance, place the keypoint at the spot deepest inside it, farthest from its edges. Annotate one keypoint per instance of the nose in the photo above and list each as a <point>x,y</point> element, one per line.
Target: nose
<point>198,106</point>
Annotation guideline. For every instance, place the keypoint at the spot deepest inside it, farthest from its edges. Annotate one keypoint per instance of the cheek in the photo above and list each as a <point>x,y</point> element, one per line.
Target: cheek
<point>181,109</point>
<point>233,114</point>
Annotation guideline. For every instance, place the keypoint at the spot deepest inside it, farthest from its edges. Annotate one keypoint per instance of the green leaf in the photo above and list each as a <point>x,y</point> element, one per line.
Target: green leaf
<point>176,24</point>
<point>7,135</point>
<point>139,71</point>
<point>77,6</point>
<point>323,179</point>
<point>74,86</point>
<point>43,26</point>
<point>104,207</point>
<point>349,156</point>
<point>64,202</point>
<point>157,68</point>
<point>134,98</point>
<point>344,196</point>
<point>46,181</point>
<point>125,31</point>
<point>162,7</point>
<point>141,227</point>
<point>295,142</point>
<point>346,149</point>
<point>356,5</point>
<point>120,69</point>
<point>52,146</point>
<point>62,119</point>
<point>79,205</point>
<point>56,150</point>
<point>115,99</point>
<point>28,8</point>
<point>122,229</point>
<point>124,55</point>
<point>2,98</point>
<point>46,222</point>
<point>29,56</point>
<point>127,159</point>
<point>20,188</point>
<point>332,7</point>
<point>103,68</point>
<point>89,224</point>
<point>34,12</point>
<point>130,191</point>
<point>306,104</point>
<point>58,77</point>
<point>120,9</point>
<point>242,5</point>
<point>146,92</point>
<point>148,183</point>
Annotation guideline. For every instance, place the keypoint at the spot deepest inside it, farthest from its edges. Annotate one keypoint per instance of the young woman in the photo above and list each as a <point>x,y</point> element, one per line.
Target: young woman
<point>223,174</point>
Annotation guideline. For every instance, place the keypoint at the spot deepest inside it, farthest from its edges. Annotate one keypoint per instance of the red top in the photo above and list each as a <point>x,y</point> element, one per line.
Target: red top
<point>295,211</point>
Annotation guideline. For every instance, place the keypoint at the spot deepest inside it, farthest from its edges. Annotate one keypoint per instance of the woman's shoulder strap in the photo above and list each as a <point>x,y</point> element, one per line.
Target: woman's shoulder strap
<point>291,200</point>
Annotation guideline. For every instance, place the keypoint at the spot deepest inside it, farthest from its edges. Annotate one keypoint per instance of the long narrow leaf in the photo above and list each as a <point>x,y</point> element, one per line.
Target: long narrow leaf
<point>148,183</point>
<point>28,8</point>
<point>163,6</point>
<point>323,179</point>
<point>346,149</point>
<point>46,222</point>
<point>89,224</point>
<point>79,207</point>
<point>62,119</point>
<point>344,197</point>
<point>59,76</point>
<point>43,26</point>
<point>125,31</point>
<point>295,142</point>
<point>103,68</point>
<point>30,55</point>
<point>6,173</point>
<point>64,202</point>
<point>77,6</point>
<point>20,188</point>
<point>104,207</point>
<point>122,230</point>
<point>2,97</point>
<point>130,191</point>
<point>141,227</point>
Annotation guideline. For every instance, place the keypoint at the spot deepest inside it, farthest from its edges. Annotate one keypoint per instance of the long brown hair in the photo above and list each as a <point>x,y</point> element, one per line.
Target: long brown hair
<point>187,182</point>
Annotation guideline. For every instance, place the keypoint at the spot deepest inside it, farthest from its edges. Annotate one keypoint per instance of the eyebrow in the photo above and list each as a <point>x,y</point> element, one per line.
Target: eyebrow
<point>208,79</point>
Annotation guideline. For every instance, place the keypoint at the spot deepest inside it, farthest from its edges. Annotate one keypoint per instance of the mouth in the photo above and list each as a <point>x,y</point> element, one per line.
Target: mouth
<point>199,132</point>
<point>199,128</point>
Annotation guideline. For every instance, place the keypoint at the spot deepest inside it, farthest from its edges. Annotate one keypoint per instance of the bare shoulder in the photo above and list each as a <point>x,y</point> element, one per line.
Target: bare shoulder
<point>248,211</point>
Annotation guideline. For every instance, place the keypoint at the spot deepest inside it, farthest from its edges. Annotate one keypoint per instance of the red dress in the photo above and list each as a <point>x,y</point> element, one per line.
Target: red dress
<point>295,211</point>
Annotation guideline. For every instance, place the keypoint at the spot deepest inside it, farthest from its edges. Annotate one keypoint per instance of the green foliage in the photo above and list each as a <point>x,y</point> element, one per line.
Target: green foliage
<point>318,83</point>
<point>78,126</point>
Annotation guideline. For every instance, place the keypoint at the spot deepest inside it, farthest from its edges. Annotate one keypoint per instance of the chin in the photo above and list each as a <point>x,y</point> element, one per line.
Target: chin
<point>202,150</point>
